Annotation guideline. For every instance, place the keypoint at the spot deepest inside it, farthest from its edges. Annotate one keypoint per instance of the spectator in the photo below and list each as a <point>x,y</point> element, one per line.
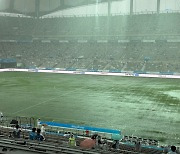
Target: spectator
<point>89,143</point>
<point>93,137</point>
<point>99,142</point>
<point>38,123</point>
<point>32,135</point>
<point>87,132</point>
<point>67,134</point>
<point>115,144</point>
<point>173,150</point>
<point>178,150</point>
<point>1,117</point>
<point>39,136</point>
<point>72,141</point>
<point>17,132</point>
<point>43,129</point>
<point>105,145</point>
<point>138,146</point>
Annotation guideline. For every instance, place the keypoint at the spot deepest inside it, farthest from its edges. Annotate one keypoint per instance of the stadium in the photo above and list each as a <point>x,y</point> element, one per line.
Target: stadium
<point>106,67</point>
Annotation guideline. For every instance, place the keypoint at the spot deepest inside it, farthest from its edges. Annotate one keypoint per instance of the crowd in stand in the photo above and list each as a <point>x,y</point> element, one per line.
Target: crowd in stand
<point>137,56</point>
<point>23,136</point>
<point>36,135</point>
<point>94,142</point>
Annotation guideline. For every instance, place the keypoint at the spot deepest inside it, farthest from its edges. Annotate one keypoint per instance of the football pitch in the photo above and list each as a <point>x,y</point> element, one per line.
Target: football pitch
<point>145,107</point>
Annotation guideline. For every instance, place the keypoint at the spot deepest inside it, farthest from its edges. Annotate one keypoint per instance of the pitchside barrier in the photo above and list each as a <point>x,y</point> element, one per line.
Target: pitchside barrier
<point>96,72</point>
<point>61,129</point>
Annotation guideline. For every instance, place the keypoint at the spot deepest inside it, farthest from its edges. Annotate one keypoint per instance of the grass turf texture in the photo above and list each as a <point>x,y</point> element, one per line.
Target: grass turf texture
<point>146,107</point>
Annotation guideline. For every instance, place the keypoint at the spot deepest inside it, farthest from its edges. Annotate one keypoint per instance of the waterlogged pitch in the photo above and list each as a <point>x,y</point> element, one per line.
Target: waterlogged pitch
<point>145,107</point>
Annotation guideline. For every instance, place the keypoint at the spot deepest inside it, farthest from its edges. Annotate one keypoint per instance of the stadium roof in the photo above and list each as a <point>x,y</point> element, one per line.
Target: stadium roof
<point>55,7</point>
<point>29,7</point>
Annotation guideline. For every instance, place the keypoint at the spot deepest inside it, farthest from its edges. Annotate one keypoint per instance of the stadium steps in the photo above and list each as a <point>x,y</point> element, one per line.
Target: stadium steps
<point>40,147</point>
<point>61,141</point>
<point>50,143</point>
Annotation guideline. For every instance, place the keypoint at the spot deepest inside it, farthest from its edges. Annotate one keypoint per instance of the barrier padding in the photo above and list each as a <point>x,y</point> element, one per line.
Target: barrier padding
<point>70,126</point>
<point>95,72</point>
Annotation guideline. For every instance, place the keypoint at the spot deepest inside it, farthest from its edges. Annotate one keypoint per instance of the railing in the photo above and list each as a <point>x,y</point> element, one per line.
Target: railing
<point>23,122</point>
<point>53,134</point>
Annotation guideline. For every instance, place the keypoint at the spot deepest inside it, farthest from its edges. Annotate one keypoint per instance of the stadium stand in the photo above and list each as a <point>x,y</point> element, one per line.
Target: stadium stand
<point>55,143</point>
<point>35,42</point>
<point>98,56</point>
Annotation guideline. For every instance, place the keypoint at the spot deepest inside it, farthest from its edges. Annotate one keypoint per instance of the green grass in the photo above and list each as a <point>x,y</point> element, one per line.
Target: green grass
<point>139,106</point>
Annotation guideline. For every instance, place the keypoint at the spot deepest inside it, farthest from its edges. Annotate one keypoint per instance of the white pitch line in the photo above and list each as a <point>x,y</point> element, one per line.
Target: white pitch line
<point>42,102</point>
<point>34,105</point>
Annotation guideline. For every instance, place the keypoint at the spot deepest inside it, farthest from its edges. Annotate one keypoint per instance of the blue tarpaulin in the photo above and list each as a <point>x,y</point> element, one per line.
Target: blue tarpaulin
<point>70,126</point>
